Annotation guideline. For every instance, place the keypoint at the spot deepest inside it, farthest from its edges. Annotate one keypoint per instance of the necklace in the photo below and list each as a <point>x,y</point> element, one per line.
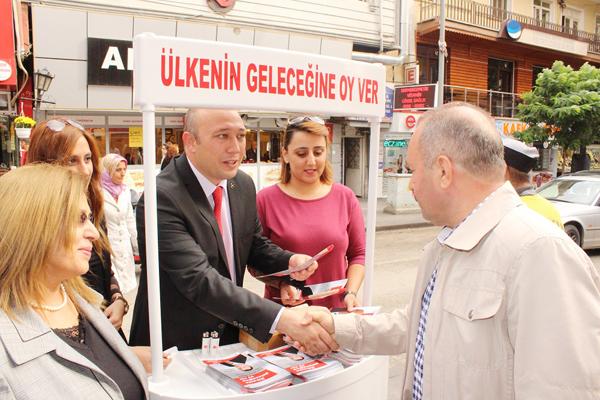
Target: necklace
<point>58,307</point>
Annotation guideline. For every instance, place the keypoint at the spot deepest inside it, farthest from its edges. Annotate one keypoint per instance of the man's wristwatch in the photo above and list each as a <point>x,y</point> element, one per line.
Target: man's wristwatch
<point>350,292</point>
<point>119,296</point>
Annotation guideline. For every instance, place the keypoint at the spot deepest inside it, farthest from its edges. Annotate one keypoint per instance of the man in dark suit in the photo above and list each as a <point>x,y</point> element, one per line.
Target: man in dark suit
<point>208,230</point>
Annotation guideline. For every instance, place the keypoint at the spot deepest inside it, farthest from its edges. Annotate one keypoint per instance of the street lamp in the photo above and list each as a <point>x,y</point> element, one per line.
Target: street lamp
<point>43,79</point>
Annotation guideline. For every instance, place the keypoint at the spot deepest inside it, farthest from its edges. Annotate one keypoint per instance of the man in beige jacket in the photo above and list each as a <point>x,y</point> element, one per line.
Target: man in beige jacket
<point>505,305</point>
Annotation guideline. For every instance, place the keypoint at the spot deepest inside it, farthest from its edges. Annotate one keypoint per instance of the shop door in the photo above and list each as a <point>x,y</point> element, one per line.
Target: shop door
<point>354,164</point>
<point>500,81</point>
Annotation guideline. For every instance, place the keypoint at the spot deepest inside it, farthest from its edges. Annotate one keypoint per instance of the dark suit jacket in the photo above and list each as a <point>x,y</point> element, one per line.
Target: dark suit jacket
<point>197,294</point>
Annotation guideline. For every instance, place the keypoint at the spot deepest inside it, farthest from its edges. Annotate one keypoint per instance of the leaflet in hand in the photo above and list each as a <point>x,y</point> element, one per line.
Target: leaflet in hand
<point>244,373</point>
<point>321,290</point>
<point>300,364</point>
<point>302,266</point>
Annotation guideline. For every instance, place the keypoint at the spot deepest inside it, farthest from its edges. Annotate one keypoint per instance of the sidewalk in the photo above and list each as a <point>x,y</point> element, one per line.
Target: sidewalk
<point>386,222</point>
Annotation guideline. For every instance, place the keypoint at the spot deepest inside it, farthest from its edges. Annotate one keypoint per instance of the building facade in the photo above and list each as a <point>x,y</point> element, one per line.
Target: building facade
<point>87,46</point>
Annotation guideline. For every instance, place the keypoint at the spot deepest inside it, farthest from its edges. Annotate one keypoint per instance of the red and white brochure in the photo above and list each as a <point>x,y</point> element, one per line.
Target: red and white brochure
<point>244,373</point>
<point>300,364</point>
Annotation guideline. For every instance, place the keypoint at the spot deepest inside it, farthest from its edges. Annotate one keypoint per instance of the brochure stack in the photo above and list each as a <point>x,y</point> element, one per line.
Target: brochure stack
<point>246,374</point>
<point>300,364</point>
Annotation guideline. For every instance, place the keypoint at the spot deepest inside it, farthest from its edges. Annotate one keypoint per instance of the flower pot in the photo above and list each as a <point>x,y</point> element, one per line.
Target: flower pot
<point>23,133</point>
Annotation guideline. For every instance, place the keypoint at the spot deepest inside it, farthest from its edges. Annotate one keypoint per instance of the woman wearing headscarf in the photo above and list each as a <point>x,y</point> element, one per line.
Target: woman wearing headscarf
<point>120,221</point>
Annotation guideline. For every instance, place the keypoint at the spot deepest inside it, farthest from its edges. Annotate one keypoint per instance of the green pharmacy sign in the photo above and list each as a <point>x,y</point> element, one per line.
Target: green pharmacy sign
<point>394,143</point>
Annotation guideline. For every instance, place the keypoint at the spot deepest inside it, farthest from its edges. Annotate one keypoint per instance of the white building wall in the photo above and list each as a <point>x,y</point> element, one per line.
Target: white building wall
<point>72,27</point>
<point>356,20</point>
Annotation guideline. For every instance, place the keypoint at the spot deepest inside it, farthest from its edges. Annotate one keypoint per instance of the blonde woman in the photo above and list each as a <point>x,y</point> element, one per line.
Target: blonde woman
<point>120,221</point>
<point>55,343</point>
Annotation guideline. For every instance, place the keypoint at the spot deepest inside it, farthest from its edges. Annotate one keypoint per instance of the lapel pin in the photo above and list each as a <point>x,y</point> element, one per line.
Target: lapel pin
<point>232,185</point>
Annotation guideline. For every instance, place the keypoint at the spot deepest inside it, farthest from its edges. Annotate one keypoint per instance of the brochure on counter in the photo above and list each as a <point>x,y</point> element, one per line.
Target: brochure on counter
<point>300,364</point>
<point>244,373</point>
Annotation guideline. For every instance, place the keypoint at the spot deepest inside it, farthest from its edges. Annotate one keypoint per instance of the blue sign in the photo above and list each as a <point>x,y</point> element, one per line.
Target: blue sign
<point>389,102</point>
<point>514,29</point>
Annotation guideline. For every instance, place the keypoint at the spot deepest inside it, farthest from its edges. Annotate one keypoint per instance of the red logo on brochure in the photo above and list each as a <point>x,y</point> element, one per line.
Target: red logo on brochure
<point>255,378</point>
<point>309,366</point>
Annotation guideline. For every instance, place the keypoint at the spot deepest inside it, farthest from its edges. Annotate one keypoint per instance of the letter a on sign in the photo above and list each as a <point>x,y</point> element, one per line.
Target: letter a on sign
<point>113,59</point>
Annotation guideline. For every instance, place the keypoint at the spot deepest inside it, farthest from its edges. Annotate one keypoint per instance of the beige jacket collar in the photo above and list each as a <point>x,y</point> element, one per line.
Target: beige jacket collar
<point>469,233</point>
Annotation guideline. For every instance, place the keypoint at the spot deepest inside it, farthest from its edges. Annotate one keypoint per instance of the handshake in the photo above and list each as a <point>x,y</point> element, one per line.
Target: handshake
<point>311,329</point>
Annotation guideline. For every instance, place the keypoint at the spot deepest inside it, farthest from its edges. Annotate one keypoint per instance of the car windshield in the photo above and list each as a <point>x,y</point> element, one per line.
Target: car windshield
<point>571,191</point>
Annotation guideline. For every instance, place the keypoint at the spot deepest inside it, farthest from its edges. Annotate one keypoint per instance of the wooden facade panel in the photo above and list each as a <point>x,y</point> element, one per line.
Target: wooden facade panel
<point>468,60</point>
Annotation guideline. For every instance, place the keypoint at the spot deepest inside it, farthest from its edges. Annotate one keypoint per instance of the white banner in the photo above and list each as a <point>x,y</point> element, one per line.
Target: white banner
<point>177,72</point>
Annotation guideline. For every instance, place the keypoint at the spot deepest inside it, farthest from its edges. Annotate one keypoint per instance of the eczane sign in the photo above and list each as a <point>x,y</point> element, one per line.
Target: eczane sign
<point>178,72</point>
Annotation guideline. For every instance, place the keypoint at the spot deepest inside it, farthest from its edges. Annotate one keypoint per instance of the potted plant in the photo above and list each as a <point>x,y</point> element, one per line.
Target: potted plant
<point>23,126</point>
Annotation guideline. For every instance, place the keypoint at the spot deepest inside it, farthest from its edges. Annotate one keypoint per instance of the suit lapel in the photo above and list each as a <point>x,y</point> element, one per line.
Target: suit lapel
<point>34,338</point>
<point>235,208</point>
<point>199,199</point>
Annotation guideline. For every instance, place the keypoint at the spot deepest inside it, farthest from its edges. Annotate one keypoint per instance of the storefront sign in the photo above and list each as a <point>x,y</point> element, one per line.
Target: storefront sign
<point>404,121</point>
<point>389,102</point>
<point>411,75</point>
<point>394,143</point>
<point>174,121</point>
<point>414,97</point>
<point>509,127</point>
<point>110,62</point>
<point>8,76</point>
<point>179,72</point>
<point>87,120</point>
<point>130,120</point>
<point>136,138</point>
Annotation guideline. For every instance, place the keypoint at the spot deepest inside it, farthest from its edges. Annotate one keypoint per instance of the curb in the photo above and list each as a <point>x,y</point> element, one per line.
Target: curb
<point>402,226</point>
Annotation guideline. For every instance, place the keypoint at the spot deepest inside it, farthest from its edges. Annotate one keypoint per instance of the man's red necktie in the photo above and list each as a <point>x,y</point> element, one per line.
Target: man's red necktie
<point>218,197</point>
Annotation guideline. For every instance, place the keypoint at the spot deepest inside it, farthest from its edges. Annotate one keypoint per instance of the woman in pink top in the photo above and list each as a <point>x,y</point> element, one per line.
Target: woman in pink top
<point>305,212</point>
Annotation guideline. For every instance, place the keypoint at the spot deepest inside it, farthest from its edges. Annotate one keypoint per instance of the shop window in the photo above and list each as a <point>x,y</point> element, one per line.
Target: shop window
<point>120,142</point>
<point>251,152</point>
<point>100,135</point>
<point>269,146</point>
<point>173,136</point>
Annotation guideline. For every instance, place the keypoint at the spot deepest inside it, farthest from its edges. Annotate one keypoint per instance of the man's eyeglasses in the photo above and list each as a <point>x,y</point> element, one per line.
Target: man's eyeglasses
<point>299,120</point>
<point>57,125</point>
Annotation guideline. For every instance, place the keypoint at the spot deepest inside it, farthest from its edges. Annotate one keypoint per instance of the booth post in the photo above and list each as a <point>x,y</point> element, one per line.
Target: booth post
<point>371,209</point>
<point>151,220</point>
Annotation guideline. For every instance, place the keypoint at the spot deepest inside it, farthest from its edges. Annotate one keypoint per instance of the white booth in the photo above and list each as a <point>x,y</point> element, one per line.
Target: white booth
<point>247,77</point>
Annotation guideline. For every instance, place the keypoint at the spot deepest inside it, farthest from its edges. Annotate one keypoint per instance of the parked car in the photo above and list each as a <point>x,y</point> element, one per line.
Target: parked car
<point>577,198</point>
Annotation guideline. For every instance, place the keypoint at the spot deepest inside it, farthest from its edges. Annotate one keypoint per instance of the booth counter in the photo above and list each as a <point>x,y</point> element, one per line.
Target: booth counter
<point>185,379</point>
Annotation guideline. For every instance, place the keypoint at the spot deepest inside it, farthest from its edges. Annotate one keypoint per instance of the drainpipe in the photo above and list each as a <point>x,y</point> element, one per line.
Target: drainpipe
<point>377,58</point>
<point>19,53</point>
<point>442,52</point>
<point>380,26</point>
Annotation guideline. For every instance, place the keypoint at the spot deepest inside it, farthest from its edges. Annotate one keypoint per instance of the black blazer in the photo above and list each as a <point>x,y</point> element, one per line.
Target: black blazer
<point>197,294</point>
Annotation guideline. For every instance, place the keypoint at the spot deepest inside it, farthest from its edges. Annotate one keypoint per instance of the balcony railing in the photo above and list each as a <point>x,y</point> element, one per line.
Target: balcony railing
<point>499,104</point>
<point>484,16</point>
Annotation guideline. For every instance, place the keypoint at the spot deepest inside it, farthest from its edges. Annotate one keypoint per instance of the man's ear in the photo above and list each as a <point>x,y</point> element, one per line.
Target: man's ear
<point>446,171</point>
<point>188,140</point>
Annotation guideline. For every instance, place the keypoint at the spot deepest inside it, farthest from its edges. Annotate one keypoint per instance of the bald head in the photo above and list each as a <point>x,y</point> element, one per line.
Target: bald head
<point>467,135</point>
<point>195,118</point>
